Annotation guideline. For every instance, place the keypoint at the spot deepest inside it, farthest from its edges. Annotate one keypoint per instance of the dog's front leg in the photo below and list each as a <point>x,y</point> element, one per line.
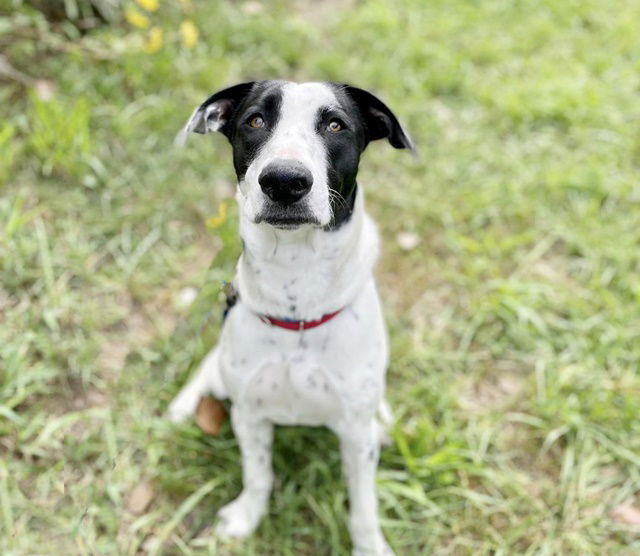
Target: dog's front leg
<point>207,380</point>
<point>240,517</point>
<point>359,447</point>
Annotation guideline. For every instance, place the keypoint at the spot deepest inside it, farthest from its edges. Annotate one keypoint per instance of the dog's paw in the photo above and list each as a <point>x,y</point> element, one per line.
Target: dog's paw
<point>383,436</point>
<point>373,545</point>
<point>382,550</point>
<point>239,518</point>
<point>179,410</point>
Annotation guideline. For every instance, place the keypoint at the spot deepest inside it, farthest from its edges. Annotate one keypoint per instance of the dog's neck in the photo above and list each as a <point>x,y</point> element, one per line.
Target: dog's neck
<point>308,272</point>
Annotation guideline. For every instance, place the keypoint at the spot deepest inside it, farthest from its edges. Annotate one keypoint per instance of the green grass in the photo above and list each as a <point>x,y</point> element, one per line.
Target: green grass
<point>515,323</point>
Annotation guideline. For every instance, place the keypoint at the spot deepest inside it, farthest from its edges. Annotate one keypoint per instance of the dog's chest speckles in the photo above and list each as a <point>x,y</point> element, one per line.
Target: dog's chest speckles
<point>293,392</point>
<point>297,277</point>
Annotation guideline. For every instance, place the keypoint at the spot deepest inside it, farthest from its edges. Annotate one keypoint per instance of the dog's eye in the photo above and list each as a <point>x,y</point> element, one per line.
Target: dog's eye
<point>256,122</point>
<point>335,126</point>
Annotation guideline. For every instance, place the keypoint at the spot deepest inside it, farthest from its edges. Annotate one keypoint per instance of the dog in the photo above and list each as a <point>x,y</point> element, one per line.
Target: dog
<point>306,343</point>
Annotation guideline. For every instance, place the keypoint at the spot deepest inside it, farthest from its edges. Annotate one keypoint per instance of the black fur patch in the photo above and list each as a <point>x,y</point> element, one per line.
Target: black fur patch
<point>265,98</point>
<point>364,117</point>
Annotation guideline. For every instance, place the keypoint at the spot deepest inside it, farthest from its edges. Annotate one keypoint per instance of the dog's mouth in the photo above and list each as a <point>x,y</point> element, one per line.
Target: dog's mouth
<point>286,217</point>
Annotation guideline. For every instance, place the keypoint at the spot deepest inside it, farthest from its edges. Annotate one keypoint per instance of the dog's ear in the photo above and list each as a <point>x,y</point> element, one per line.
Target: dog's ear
<point>379,121</point>
<point>215,113</point>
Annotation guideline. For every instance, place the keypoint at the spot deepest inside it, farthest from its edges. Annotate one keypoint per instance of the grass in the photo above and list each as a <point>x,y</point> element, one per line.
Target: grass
<point>515,322</point>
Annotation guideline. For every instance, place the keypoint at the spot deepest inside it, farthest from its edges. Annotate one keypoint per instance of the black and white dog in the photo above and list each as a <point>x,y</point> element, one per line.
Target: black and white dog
<point>306,342</point>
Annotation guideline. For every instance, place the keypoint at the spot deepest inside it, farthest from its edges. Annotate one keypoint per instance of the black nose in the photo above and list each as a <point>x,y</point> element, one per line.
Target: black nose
<point>285,181</point>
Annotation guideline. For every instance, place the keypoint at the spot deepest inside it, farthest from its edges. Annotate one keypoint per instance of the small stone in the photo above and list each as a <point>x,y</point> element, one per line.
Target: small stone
<point>407,240</point>
<point>186,296</point>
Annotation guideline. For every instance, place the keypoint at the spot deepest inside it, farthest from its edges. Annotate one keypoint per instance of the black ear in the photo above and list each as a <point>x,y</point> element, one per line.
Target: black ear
<point>379,121</point>
<point>215,113</point>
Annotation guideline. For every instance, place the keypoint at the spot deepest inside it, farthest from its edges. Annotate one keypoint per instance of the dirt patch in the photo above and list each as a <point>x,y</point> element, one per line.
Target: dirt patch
<point>146,320</point>
<point>491,393</point>
<point>325,12</point>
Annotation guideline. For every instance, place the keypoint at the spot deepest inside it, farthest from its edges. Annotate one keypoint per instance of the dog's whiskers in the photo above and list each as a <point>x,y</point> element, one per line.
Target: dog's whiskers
<point>337,196</point>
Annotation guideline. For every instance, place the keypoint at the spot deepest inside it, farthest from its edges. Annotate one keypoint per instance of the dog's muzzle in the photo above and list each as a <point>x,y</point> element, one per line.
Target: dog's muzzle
<point>285,181</point>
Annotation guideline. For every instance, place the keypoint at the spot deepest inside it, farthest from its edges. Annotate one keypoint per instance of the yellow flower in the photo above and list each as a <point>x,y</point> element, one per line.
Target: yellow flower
<point>220,218</point>
<point>153,42</point>
<point>149,5</point>
<point>189,33</point>
<point>136,19</point>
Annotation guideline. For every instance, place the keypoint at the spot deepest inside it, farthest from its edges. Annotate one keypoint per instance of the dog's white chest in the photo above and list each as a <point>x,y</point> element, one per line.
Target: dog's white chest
<point>293,392</point>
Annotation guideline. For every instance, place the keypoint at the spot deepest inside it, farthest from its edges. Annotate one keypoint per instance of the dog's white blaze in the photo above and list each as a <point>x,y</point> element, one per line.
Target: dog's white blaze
<point>294,138</point>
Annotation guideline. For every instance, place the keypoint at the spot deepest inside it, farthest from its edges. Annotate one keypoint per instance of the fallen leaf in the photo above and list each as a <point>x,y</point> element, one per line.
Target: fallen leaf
<point>627,514</point>
<point>210,415</point>
<point>140,498</point>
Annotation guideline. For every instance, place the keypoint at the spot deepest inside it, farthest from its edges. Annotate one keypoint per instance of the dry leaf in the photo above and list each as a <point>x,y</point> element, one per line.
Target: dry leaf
<point>627,514</point>
<point>140,498</point>
<point>210,415</point>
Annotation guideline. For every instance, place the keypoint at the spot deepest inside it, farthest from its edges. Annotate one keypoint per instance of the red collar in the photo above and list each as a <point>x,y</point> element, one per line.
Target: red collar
<point>298,324</point>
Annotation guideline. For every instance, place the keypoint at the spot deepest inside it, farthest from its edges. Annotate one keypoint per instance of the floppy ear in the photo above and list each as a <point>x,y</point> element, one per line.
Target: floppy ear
<point>215,113</point>
<point>379,121</point>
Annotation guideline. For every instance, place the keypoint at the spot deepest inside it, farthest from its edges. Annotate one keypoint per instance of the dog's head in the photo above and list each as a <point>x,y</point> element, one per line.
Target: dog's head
<point>296,147</point>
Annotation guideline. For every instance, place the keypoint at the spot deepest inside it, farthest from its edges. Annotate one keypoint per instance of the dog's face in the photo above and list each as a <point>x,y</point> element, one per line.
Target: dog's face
<point>296,147</point>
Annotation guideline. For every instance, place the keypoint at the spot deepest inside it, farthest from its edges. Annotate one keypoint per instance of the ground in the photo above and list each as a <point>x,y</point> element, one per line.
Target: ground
<point>510,275</point>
